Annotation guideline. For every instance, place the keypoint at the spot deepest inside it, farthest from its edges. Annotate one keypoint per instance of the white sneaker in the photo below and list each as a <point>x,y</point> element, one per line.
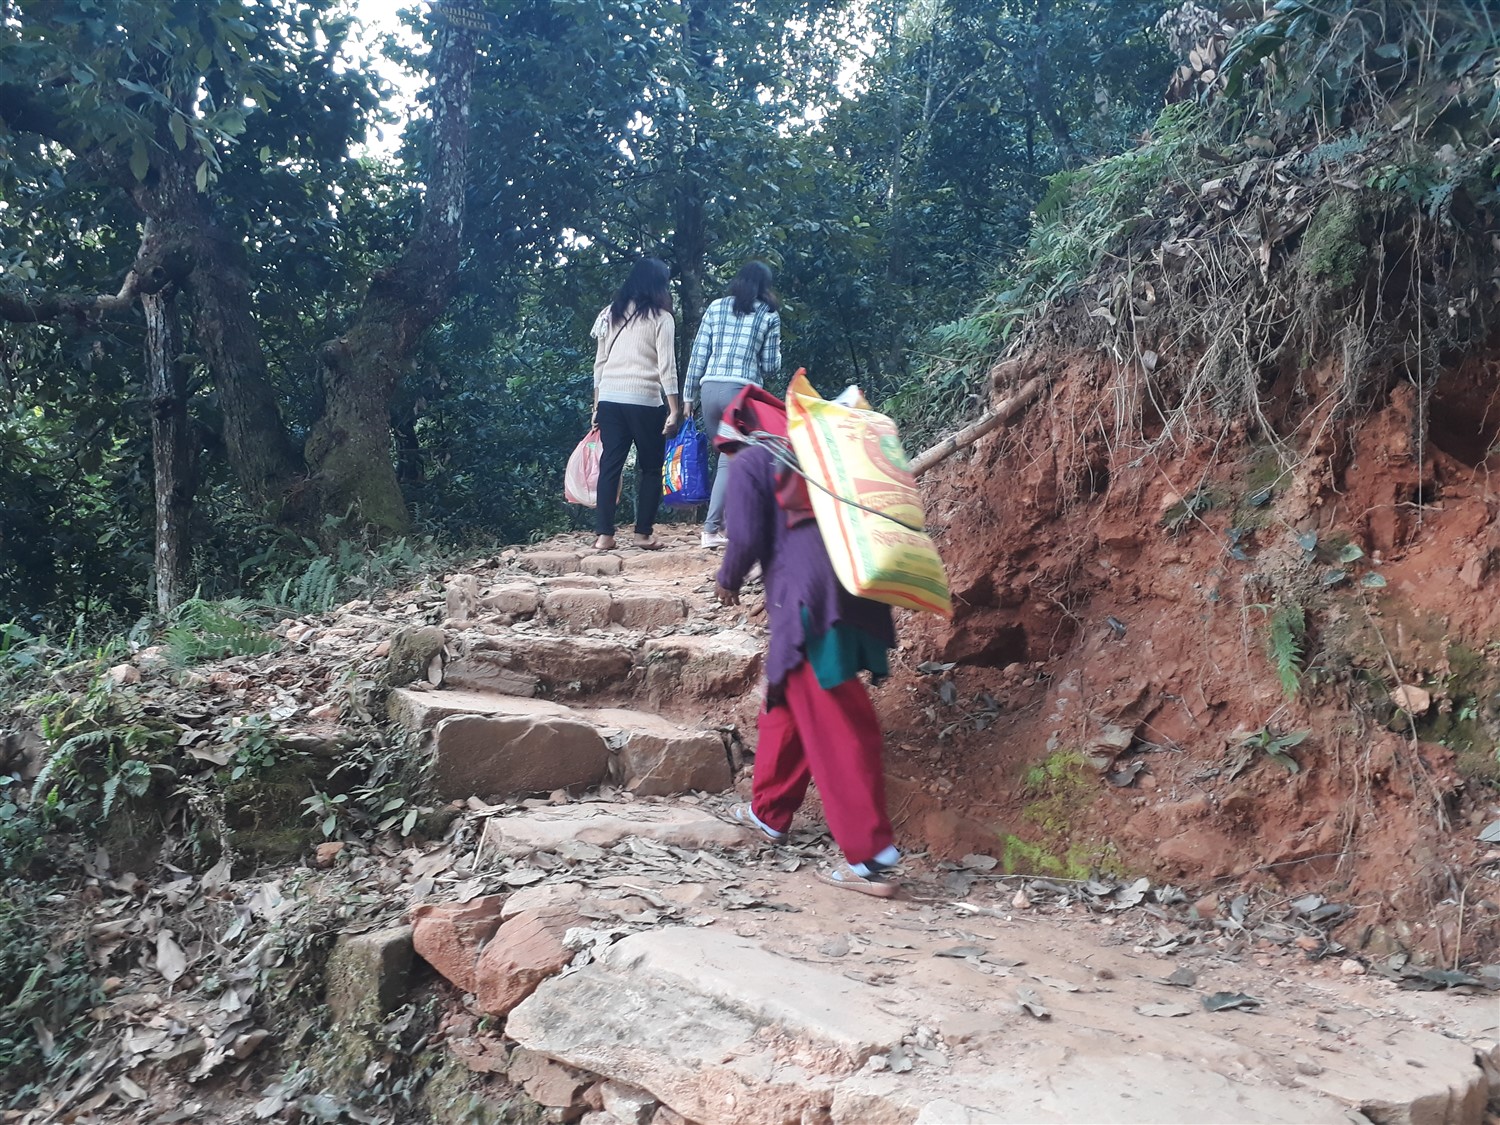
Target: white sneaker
<point>713,540</point>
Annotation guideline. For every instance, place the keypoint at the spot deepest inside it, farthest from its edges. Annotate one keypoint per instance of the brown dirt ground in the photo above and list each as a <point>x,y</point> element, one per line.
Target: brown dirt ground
<point>1088,594</point>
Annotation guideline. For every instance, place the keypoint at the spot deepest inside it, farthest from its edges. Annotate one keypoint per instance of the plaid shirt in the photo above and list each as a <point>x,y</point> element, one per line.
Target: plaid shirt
<point>731,348</point>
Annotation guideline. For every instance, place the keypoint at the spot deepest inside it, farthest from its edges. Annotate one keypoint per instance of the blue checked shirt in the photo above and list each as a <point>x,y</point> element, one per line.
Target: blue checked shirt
<point>734,349</point>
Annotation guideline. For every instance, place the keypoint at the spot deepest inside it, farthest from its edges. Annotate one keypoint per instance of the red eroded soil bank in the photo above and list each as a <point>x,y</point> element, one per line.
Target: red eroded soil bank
<point>1111,644</point>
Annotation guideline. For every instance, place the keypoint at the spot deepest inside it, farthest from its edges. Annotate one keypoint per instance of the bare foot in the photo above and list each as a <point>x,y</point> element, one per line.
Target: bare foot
<point>646,543</point>
<point>604,543</point>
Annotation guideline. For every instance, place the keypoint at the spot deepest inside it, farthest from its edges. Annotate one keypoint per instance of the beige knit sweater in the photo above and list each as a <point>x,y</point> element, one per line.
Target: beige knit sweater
<point>636,362</point>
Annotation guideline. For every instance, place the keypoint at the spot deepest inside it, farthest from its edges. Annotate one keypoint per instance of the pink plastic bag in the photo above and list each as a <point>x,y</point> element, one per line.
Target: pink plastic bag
<point>581,481</point>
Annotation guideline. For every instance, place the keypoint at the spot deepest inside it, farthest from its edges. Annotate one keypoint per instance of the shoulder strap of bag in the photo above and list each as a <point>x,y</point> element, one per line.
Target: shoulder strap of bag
<point>609,347</point>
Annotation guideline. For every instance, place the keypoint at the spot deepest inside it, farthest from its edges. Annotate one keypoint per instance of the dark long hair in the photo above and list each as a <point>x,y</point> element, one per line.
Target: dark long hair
<point>751,284</point>
<point>646,288</point>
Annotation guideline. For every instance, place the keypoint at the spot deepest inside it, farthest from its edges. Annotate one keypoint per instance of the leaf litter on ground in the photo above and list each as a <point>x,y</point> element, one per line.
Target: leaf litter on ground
<point>1230,1001</point>
<point>1164,1010</point>
<point>1031,1004</point>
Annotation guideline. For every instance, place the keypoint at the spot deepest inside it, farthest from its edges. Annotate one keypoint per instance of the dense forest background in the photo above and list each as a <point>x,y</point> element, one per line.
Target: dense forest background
<point>240,354</point>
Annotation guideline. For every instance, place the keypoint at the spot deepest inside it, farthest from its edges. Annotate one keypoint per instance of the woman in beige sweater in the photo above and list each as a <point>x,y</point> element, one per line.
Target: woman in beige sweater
<point>636,401</point>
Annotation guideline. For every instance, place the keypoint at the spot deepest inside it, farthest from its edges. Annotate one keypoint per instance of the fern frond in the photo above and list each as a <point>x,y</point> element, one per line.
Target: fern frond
<point>43,780</point>
<point>1288,627</point>
<point>1334,152</point>
<point>213,630</point>
<point>111,788</point>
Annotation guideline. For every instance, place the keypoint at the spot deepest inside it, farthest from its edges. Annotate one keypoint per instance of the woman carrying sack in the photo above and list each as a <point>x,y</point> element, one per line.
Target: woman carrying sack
<point>738,344</point>
<point>817,724</point>
<point>635,396</point>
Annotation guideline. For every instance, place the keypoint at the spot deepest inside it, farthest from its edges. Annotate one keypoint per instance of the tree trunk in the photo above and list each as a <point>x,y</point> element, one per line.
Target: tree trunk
<point>171,450</point>
<point>261,452</point>
<point>349,449</point>
<point>690,252</point>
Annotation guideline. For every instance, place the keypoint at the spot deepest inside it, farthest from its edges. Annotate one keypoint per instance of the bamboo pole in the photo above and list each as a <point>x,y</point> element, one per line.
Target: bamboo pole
<point>971,433</point>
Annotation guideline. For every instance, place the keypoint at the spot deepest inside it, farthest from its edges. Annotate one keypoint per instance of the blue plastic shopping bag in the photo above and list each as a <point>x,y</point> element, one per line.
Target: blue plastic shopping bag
<point>684,472</point>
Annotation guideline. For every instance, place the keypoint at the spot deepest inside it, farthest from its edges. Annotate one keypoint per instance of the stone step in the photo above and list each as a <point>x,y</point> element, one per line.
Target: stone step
<point>726,1028</point>
<point>503,746</point>
<point>711,1024</point>
<point>722,665</point>
<point>677,671</point>
<point>575,602</point>
<point>516,662</point>
<point>644,610</point>
<point>604,824</point>
<point>552,562</point>
<point>677,560</point>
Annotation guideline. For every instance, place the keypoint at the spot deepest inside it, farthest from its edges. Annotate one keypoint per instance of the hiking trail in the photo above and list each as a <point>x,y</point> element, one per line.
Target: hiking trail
<point>653,964</point>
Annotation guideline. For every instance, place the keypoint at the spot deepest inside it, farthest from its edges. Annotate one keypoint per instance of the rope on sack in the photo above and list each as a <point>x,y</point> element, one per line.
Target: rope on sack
<point>780,450</point>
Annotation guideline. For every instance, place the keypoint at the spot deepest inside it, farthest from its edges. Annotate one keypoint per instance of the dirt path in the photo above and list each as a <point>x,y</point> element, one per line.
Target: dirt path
<point>730,986</point>
<point>603,940</point>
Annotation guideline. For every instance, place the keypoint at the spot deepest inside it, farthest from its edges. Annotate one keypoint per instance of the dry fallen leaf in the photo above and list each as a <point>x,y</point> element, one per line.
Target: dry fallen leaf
<point>1163,1009</point>
<point>171,961</point>
<point>1032,1004</point>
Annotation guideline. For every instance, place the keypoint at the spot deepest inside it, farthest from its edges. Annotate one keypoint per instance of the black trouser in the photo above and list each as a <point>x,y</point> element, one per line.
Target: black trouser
<point>621,425</point>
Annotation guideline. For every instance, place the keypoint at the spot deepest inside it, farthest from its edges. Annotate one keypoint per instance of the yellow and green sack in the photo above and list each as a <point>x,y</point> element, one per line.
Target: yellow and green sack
<point>855,453</point>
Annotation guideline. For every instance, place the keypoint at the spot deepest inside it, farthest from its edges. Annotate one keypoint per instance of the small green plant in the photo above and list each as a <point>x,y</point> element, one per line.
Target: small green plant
<point>254,746</point>
<point>131,775</point>
<point>1187,511</point>
<point>316,590</point>
<point>328,811</point>
<point>17,652</point>
<point>1288,633</point>
<point>303,584</point>
<point>24,824</point>
<point>204,630</point>
<point>1275,746</point>
<point>101,747</point>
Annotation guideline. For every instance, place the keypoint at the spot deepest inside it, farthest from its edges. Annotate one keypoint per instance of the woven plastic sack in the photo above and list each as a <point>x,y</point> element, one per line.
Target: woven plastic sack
<point>581,480</point>
<point>882,553</point>
<point>684,470</point>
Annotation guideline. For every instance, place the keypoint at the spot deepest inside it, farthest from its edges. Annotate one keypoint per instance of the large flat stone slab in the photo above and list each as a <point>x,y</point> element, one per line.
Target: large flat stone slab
<point>564,665</point>
<point>645,753</point>
<point>770,1026</point>
<point>604,825</point>
<point>810,1002</point>
<point>713,666</point>
<point>656,758</point>
<point>509,755</point>
<point>420,711</point>
<point>712,1025</point>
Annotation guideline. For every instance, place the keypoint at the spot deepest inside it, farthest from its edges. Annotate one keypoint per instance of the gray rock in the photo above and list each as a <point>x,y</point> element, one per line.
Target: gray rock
<point>685,1013</point>
<point>367,974</point>
<point>506,755</point>
<point>659,758</point>
<point>604,825</point>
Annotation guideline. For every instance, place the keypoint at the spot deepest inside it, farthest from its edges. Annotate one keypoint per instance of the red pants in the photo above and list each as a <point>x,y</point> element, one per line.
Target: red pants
<point>833,738</point>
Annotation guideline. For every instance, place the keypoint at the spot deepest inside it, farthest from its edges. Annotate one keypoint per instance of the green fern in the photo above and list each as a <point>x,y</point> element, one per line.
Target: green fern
<point>1333,152</point>
<point>212,631</point>
<point>133,775</point>
<point>1288,631</point>
<point>318,588</point>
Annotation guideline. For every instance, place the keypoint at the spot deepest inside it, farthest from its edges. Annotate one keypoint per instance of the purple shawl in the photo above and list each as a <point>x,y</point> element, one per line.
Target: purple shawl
<point>795,565</point>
